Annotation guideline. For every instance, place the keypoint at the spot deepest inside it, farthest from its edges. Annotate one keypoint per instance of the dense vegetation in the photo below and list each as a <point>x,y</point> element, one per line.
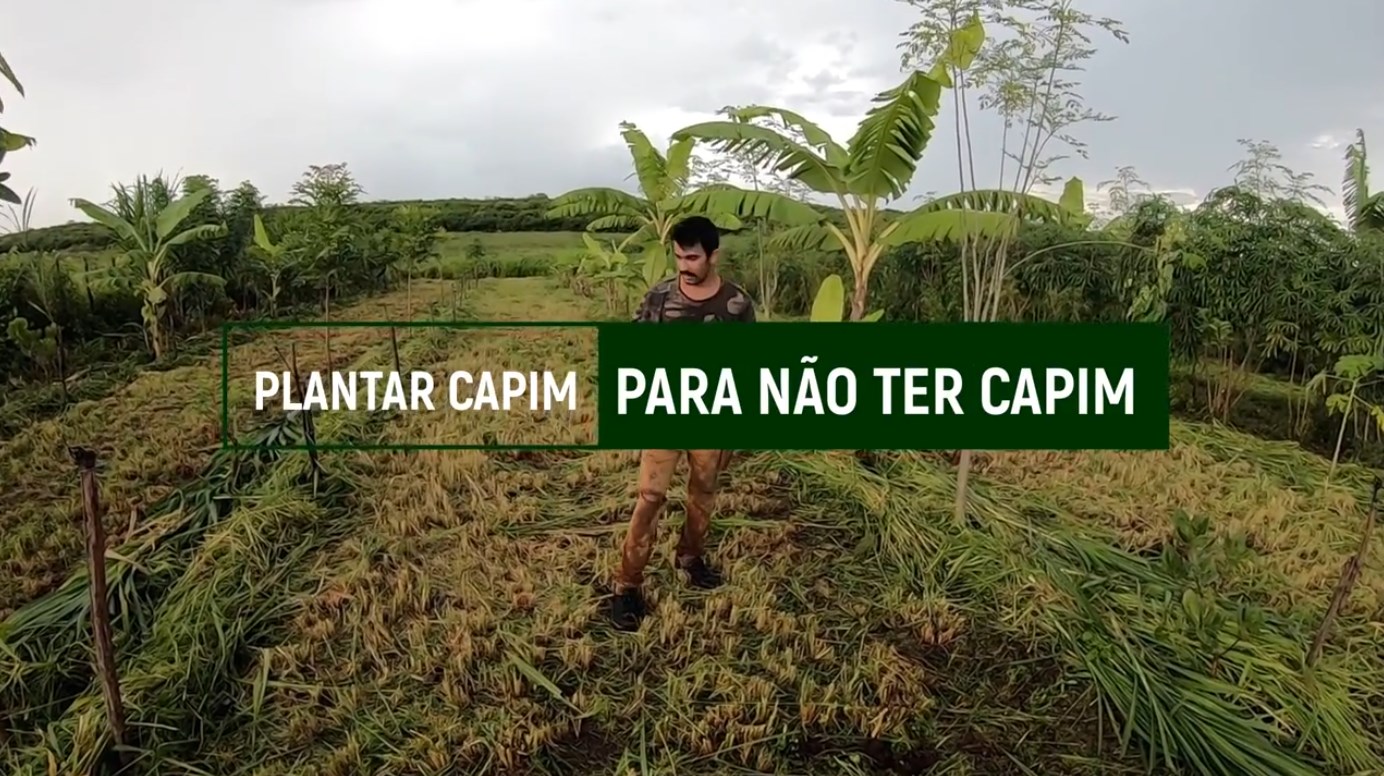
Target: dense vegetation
<point>914,609</point>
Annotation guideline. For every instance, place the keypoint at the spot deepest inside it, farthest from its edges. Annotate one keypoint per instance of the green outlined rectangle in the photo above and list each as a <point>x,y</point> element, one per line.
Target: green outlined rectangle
<point>260,326</point>
<point>969,347</point>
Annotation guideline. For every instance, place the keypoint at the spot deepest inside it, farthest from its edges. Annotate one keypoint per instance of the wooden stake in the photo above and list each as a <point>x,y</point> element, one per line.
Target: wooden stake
<point>327,316</point>
<point>1350,573</point>
<point>394,342</point>
<point>100,605</point>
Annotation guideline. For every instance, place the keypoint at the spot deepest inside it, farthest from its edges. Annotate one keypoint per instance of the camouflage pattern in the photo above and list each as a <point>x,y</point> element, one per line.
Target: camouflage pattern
<point>665,303</point>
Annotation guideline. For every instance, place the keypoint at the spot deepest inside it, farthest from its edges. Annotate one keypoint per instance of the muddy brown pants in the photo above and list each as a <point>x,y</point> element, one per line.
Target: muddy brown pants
<point>656,469</point>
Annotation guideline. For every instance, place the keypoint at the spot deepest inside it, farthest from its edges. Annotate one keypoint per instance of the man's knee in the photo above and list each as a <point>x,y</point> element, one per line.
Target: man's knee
<point>702,476</point>
<point>653,497</point>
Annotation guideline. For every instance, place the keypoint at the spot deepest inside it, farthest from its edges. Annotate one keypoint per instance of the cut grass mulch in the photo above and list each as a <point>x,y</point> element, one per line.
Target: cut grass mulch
<point>1091,611</point>
<point>151,436</point>
<point>861,629</point>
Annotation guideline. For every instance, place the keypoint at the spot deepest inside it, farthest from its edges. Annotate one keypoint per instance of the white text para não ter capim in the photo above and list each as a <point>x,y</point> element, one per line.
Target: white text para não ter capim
<point>906,390</point>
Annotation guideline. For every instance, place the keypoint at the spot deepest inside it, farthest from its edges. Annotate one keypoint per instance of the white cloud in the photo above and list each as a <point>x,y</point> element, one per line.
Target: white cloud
<point>426,98</point>
<point>1327,141</point>
<point>1182,196</point>
<point>434,98</point>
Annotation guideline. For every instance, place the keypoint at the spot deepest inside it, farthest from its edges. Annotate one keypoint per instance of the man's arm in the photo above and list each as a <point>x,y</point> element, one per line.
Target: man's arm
<point>742,306</point>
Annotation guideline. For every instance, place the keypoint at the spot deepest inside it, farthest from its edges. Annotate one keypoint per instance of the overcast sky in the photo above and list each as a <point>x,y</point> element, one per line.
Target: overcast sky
<point>473,98</point>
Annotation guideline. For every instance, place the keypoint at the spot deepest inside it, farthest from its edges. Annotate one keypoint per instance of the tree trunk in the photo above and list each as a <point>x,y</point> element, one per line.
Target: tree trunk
<point>963,476</point>
<point>858,297</point>
<point>763,276</point>
<point>62,368</point>
<point>1341,435</point>
<point>327,317</point>
<point>156,336</point>
<point>91,297</point>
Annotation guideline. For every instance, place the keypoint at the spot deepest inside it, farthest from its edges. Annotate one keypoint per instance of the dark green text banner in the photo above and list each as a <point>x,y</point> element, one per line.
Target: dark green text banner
<point>881,385</point>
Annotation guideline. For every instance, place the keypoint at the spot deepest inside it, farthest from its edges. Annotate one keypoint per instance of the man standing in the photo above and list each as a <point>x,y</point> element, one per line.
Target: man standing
<point>698,294</point>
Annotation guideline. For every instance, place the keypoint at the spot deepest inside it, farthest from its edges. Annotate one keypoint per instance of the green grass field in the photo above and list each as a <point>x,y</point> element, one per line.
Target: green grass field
<point>439,612</point>
<point>500,254</point>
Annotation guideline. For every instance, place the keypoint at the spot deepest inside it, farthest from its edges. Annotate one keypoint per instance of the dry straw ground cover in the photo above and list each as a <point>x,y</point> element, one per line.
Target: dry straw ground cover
<point>151,436</point>
<point>447,620</point>
<point>859,625</point>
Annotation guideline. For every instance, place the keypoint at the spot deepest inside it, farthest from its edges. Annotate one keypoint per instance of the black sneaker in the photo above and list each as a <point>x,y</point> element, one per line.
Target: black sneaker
<point>702,575</point>
<point>627,609</point>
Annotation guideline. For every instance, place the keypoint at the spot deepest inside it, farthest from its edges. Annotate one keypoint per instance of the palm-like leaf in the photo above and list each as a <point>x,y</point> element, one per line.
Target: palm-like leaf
<point>1073,198</point>
<point>8,73</point>
<point>643,234</point>
<point>953,224</point>
<point>617,221</point>
<point>179,279</point>
<point>262,237</point>
<point>1372,213</point>
<point>118,278</point>
<point>764,146</point>
<point>13,141</point>
<point>963,46</point>
<point>1363,209</point>
<point>727,222</point>
<point>1023,206</point>
<point>829,304</point>
<point>598,201</point>
<point>176,212</point>
<point>802,239</point>
<point>833,152</point>
<point>743,203</point>
<point>677,168</point>
<point>889,142</point>
<point>1356,187</point>
<point>649,165</point>
<point>885,150</point>
<point>196,233</point>
<point>108,219</point>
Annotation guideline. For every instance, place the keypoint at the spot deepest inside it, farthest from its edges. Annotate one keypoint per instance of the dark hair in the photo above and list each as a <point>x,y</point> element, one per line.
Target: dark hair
<point>697,230</point>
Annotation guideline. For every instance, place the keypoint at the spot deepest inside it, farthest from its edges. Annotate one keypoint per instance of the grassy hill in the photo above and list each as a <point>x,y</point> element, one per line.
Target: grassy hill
<point>488,214</point>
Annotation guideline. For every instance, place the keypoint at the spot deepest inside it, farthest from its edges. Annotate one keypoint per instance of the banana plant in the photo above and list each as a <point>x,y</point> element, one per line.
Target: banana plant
<point>276,261</point>
<point>1364,210</point>
<point>568,266</point>
<point>149,238</point>
<point>1150,302</point>
<point>663,182</point>
<point>40,346</point>
<point>1352,372</point>
<point>52,290</point>
<point>10,141</point>
<point>653,267</point>
<point>829,306</point>
<point>612,269</point>
<point>873,168</point>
